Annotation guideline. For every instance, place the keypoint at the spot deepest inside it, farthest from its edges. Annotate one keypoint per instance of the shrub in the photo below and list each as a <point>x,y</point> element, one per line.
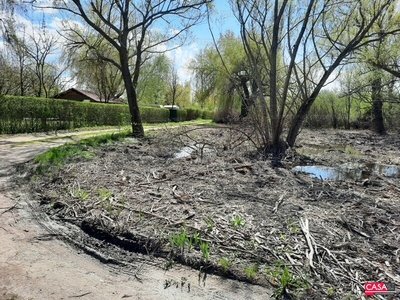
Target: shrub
<point>193,114</point>
<point>154,114</point>
<point>29,114</point>
<point>182,115</point>
<point>206,114</point>
<point>227,116</point>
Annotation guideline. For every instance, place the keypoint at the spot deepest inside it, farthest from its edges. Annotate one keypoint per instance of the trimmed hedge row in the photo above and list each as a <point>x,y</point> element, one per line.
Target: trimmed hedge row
<point>153,114</point>
<point>189,114</point>
<point>30,114</point>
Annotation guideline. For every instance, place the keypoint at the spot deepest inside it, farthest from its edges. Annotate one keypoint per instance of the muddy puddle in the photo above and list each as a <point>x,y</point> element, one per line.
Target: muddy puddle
<point>194,151</point>
<point>346,171</point>
<point>184,152</point>
<point>350,171</point>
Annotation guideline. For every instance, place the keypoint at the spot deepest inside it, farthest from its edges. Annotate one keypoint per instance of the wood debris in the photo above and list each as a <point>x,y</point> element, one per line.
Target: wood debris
<point>339,233</point>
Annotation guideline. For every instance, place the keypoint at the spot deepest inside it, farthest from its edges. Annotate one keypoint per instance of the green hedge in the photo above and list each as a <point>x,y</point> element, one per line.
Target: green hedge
<point>182,115</point>
<point>189,114</point>
<point>193,113</point>
<point>29,114</point>
<point>154,114</point>
<point>208,115</point>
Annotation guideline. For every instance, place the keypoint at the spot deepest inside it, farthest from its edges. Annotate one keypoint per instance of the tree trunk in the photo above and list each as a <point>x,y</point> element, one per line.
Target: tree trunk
<point>377,115</point>
<point>245,98</point>
<point>348,111</point>
<point>298,120</point>
<point>306,104</point>
<point>136,120</point>
<point>334,117</point>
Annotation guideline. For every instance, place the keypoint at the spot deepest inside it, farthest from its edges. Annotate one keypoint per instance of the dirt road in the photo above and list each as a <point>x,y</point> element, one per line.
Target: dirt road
<point>36,265</point>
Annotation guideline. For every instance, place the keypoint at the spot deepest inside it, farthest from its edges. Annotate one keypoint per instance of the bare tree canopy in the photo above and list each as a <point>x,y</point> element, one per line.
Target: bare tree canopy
<point>134,28</point>
<point>305,43</point>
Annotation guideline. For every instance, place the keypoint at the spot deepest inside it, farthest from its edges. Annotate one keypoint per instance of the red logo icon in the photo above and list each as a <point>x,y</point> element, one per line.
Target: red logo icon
<point>372,288</point>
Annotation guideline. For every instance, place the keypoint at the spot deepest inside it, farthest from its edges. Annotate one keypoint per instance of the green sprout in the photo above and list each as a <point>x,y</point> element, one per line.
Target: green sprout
<point>237,221</point>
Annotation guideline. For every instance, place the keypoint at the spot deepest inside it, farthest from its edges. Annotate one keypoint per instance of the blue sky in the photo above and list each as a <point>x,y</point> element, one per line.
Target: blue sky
<point>221,21</point>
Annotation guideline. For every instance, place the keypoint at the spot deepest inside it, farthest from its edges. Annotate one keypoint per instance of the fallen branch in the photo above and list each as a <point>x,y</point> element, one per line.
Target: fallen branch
<point>393,277</point>
<point>81,295</point>
<point>307,235</point>
<point>278,203</point>
<point>9,208</point>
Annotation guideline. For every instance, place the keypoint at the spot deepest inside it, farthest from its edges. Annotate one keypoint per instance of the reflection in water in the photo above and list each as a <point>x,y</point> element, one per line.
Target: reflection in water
<point>185,152</point>
<point>387,170</point>
<point>322,172</point>
<point>349,171</point>
<point>197,149</point>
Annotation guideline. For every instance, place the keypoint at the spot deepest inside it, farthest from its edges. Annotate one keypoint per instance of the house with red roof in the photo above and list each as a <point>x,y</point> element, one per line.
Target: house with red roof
<point>82,95</point>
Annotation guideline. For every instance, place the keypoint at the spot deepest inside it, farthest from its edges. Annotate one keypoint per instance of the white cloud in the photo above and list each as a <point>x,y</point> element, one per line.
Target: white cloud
<point>182,57</point>
<point>55,23</point>
<point>29,27</point>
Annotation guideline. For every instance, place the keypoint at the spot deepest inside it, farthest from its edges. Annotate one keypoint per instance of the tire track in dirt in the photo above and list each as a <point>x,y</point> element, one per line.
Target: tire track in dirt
<point>34,264</point>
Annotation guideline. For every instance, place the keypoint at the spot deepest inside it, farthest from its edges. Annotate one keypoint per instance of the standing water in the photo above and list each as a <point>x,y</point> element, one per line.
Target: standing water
<point>349,171</point>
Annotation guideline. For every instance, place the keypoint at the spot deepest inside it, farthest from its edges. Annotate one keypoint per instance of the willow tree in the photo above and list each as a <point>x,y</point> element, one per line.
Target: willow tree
<point>153,82</point>
<point>305,42</point>
<point>85,52</point>
<point>383,54</point>
<point>220,73</point>
<point>134,28</point>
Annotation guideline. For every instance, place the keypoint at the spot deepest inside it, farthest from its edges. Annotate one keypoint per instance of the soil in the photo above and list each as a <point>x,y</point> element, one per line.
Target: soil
<point>38,263</point>
<point>204,198</point>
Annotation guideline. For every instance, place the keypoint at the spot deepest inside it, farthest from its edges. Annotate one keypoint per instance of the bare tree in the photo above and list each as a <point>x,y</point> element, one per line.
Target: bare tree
<point>39,47</point>
<point>7,74</point>
<point>109,81</point>
<point>173,87</point>
<point>33,53</point>
<point>305,42</point>
<point>20,60</point>
<point>134,28</point>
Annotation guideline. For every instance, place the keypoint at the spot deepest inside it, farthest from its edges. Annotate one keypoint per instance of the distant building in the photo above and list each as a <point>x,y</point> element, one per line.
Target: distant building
<point>171,106</point>
<point>82,95</point>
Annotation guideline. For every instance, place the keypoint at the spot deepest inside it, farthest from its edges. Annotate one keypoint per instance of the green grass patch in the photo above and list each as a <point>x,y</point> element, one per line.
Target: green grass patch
<point>104,193</point>
<point>102,139</point>
<point>225,263</point>
<point>285,282</point>
<point>79,193</point>
<point>205,250</point>
<point>251,271</point>
<point>237,221</point>
<point>56,157</point>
